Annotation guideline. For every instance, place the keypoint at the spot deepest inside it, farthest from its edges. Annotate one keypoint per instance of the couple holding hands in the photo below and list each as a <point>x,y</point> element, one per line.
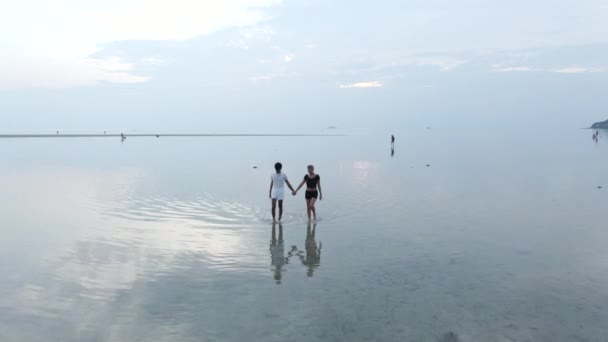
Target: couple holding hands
<point>277,190</point>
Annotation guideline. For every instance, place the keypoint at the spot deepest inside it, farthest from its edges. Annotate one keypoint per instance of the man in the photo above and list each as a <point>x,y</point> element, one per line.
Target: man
<point>392,140</point>
<point>277,190</point>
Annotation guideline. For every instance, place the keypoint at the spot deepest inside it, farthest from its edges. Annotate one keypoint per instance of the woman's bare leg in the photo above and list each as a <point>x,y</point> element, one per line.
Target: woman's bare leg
<point>274,206</point>
<point>280,209</point>
<point>312,208</point>
<point>308,208</point>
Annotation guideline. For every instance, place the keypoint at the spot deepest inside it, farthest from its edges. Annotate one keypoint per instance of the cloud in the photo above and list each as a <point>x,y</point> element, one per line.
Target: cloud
<point>372,84</point>
<point>153,61</point>
<point>262,78</point>
<point>40,72</point>
<point>444,64</point>
<point>499,68</point>
<point>270,77</point>
<point>578,70</point>
<point>50,43</point>
<point>289,57</point>
<point>567,70</point>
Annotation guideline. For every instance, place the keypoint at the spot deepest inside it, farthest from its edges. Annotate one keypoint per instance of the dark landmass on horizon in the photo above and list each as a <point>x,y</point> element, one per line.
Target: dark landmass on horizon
<point>600,125</point>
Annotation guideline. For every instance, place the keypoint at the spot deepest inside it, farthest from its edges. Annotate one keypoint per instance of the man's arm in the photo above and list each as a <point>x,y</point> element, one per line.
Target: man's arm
<point>270,190</point>
<point>289,185</point>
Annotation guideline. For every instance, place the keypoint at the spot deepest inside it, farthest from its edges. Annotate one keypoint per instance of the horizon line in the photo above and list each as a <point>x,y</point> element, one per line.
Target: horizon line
<point>158,135</point>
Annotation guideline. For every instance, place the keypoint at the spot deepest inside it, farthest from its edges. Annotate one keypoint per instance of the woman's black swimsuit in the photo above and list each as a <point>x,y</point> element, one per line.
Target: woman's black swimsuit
<point>311,183</point>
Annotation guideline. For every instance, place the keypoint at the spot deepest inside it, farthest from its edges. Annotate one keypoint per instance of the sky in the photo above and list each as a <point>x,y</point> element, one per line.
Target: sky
<point>295,65</point>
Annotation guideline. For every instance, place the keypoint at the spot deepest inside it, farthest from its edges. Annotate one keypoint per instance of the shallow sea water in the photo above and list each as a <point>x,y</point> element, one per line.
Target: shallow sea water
<point>457,236</point>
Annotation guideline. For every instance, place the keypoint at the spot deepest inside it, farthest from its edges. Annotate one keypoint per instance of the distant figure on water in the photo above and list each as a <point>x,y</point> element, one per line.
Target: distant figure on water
<point>57,132</point>
<point>392,141</point>
<point>313,190</point>
<point>277,190</point>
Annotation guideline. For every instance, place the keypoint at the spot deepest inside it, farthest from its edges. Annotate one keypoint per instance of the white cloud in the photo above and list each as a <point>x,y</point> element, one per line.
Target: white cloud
<point>270,77</point>
<point>372,84</point>
<point>62,73</point>
<point>49,43</point>
<point>289,57</point>
<point>251,36</point>
<point>442,63</point>
<point>500,68</point>
<point>567,70</point>
<point>261,78</point>
<point>578,70</point>
<point>153,61</point>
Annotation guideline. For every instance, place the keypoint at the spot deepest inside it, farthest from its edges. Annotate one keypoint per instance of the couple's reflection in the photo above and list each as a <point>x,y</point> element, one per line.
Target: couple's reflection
<point>310,256</point>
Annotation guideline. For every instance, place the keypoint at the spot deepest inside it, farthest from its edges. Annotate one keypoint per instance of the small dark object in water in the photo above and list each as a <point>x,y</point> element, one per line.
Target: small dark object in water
<point>599,187</point>
<point>157,135</point>
<point>255,167</point>
<point>449,337</point>
<point>428,165</point>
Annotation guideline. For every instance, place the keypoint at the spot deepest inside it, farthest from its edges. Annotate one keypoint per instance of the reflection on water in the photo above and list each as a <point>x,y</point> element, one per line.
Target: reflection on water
<point>495,242</point>
<point>277,252</point>
<point>313,252</point>
<point>310,257</point>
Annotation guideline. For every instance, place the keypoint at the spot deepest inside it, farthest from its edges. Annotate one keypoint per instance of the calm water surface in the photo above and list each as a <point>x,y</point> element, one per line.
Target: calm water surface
<point>502,237</point>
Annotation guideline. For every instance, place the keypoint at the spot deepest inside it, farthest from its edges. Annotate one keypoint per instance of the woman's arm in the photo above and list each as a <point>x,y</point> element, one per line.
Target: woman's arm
<point>320,192</point>
<point>299,186</point>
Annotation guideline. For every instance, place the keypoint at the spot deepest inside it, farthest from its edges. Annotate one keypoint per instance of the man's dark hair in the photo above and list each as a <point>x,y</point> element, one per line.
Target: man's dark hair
<point>278,166</point>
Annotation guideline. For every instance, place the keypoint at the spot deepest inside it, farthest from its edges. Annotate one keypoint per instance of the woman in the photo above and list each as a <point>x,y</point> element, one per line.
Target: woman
<point>313,181</point>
